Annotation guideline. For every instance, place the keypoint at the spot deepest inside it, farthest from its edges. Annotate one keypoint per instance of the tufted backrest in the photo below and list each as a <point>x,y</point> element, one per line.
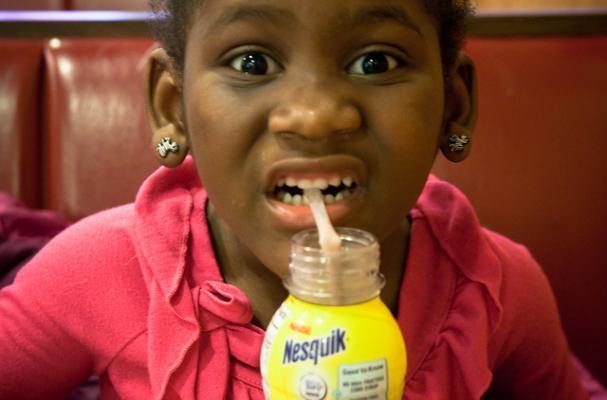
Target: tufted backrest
<point>20,70</point>
<point>97,136</point>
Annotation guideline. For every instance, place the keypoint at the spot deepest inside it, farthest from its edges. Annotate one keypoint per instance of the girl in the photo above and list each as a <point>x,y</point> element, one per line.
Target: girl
<point>166,298</point>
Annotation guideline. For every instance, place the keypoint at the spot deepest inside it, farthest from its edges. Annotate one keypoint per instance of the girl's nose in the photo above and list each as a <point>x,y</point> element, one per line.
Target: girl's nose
<point>315,114</point>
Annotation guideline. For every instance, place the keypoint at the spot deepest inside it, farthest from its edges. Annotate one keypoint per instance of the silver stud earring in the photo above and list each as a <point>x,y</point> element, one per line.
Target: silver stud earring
<point>165,146</point>
<point>458,143</point>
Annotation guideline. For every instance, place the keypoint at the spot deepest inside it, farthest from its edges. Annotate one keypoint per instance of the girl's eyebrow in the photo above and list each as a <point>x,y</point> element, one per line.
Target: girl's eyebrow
<point>260,13</point>
<point>377,14</point>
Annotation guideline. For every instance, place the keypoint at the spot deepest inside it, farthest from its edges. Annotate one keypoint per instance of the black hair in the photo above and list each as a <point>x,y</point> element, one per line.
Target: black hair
<point>172,19</point>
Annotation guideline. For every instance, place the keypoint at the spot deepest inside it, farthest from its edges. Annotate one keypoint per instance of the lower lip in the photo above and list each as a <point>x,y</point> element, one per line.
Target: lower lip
<point>300,217</point>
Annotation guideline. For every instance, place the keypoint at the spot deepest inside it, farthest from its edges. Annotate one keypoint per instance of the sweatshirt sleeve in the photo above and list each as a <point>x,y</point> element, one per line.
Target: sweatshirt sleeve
<point>41,354</point>
<point>535,361</point>
<point>52,315</point>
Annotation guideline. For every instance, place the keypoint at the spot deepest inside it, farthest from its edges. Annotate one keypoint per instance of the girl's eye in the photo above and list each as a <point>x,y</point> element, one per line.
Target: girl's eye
<point>254,64</point>
<point>373,63</point>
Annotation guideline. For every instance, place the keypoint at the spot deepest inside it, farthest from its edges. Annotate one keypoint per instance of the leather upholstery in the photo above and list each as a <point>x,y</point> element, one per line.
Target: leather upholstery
<point>20,70</point>
<point>537,172</point>
<point>97,135</point>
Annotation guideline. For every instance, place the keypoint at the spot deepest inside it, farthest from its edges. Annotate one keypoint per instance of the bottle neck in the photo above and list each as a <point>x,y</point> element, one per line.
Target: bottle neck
<point>349,276</point>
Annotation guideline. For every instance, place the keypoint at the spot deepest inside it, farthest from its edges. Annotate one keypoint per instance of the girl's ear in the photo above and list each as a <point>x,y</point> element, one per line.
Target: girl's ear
<point>165,111</point>
<point>460,109</point>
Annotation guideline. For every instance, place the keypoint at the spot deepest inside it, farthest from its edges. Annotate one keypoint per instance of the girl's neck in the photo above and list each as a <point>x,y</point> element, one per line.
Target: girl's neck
<point>394,251</point>
<point>239,267</point>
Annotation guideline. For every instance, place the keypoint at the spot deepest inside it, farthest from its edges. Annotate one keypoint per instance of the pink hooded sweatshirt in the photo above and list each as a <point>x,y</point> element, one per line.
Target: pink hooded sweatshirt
<point>135,295</point>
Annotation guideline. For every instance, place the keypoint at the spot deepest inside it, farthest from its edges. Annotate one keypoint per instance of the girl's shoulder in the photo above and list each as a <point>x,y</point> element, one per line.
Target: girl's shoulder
<point>513,279</point>
<point>454,223</point>
<point>104,237</point>
<point>88,272</point>
<point>96,254</point>
<point>525,343</point>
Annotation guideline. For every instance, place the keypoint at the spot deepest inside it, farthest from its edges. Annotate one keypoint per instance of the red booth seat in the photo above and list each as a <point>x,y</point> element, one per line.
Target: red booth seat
<point>20,70</point>
<point>97,137</point>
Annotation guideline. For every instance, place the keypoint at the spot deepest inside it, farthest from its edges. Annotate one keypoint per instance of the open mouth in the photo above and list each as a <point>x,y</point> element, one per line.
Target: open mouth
<point>289,190</point>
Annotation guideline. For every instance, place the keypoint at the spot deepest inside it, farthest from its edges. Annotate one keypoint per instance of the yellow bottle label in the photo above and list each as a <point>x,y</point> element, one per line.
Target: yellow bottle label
<point>316,352</point>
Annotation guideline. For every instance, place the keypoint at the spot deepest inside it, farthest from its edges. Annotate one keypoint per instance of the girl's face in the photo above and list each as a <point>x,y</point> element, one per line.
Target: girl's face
<point>280,94</point>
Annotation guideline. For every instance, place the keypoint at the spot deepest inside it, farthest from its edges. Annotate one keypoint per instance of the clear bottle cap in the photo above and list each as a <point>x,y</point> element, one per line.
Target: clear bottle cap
<point>350,276</point>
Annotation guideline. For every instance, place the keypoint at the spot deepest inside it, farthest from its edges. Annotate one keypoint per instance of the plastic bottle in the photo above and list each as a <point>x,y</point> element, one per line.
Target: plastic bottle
<point>333,338</point>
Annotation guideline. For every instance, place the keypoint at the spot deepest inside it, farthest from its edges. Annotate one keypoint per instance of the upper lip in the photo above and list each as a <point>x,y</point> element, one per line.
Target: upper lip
<point>326,166</point>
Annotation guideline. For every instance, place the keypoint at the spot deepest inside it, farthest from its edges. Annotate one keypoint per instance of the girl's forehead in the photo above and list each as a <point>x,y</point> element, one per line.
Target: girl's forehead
<point>331,15</point>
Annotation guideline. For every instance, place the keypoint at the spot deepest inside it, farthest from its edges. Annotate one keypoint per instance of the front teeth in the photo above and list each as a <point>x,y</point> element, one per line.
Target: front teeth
<point>304,184</point>
<point>320,183</point>
<point>290,190</point>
